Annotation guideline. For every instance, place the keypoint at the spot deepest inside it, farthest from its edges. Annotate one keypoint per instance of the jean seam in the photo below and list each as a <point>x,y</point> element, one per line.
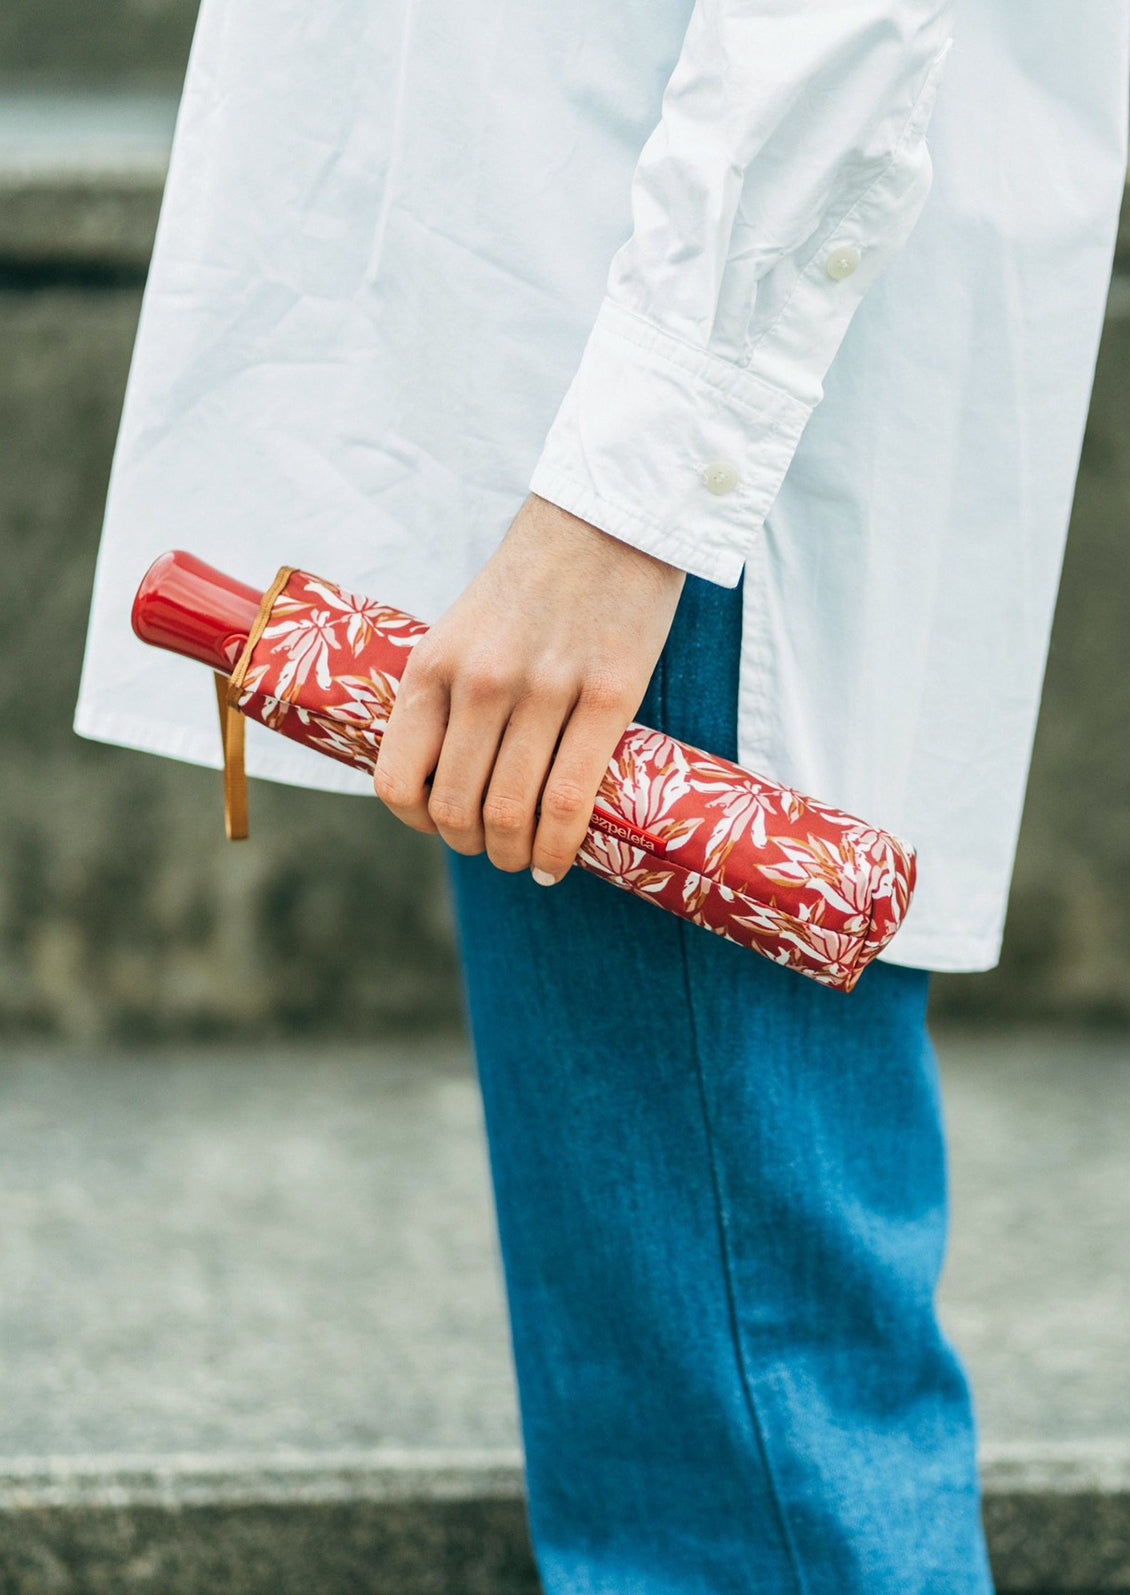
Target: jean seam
<point>727,1274</point>
<point>682,931</point>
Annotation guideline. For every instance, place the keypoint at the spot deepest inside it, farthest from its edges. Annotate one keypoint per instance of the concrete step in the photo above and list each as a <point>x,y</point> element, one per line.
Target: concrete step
<point>81,177</point>
<point>254,1340</point>
<point>409,1523</point>
<point>440,1523</point>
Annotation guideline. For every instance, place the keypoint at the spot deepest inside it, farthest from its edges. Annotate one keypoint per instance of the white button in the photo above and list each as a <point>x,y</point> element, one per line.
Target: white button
<point>720,477</point>
<point>842,262</point>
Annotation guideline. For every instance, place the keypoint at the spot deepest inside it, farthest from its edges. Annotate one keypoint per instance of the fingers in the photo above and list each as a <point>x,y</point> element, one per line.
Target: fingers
<point>411,743</point>
<point>520,768</point>
<point>474,758</point>
<point>587,744</point>
<point>480,706</point>
<point>440,747</point>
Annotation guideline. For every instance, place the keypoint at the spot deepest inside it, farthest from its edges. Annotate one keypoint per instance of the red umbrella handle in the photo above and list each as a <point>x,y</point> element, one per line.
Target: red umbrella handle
<point>193,609</point>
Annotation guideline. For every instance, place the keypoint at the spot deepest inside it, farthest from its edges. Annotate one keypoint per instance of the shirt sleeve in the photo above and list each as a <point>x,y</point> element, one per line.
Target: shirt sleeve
<point>788,168</point>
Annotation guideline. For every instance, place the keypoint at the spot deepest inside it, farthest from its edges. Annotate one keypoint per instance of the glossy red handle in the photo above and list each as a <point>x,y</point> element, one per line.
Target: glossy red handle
<point>194,609</point>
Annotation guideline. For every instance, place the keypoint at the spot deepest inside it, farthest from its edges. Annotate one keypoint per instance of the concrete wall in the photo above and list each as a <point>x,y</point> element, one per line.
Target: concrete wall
<point>124,913</point>
<point>137,44</point>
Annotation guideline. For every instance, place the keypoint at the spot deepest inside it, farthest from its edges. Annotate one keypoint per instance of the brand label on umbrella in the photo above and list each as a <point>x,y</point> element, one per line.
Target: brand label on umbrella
<point>625,831</point>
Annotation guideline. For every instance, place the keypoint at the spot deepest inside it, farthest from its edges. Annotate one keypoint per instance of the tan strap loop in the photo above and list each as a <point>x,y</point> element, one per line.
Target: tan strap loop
<point>235,775</point>
<point>259,626</point>
<point>228,689</point>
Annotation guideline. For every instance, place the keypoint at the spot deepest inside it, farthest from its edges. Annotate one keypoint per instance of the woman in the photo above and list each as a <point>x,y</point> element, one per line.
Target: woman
<point>789,478</point>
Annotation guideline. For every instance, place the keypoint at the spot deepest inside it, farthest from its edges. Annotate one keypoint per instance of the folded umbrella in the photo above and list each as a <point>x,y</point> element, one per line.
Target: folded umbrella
<point>804,884</point>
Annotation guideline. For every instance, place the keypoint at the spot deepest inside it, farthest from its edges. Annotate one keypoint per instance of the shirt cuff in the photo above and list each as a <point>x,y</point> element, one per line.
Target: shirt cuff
<point>680,450</point>
<point>668,447</point>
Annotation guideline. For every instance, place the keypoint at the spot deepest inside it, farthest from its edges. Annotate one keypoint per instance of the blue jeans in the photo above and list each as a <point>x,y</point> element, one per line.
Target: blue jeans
<point>721,1202</point>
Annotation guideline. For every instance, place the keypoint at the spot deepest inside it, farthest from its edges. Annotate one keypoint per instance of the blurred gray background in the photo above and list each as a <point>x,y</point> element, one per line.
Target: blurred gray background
<point>251,1325</point>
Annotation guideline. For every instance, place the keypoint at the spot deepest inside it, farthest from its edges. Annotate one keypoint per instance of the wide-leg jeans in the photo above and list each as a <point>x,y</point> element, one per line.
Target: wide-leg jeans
<point>721,1203</point>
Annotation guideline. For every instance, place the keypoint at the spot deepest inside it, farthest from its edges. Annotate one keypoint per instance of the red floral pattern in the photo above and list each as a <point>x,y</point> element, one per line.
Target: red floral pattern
<point>804,884</point>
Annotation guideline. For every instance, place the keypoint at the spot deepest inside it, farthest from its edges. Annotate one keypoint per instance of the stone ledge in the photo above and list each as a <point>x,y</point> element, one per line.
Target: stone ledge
<point>1057,1515</point>
<point>81,177</point>
<point>444,1522</point>
<point>385,1476</point>
<point>410,1523</point>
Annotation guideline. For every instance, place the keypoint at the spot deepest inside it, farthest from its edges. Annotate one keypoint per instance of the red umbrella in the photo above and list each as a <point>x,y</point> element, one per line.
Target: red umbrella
<point>802,883</point>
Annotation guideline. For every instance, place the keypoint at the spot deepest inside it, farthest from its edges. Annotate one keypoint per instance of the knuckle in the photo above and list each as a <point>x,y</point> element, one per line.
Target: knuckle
<point>506,814</point>
<point>451,814</point>
<point>424,666</point>
<point>486,679</point>
<point>602,690</point>
<point>566,800</point>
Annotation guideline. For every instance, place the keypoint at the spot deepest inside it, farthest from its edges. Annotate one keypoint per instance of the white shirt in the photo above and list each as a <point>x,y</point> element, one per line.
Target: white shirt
<point>695,273</point>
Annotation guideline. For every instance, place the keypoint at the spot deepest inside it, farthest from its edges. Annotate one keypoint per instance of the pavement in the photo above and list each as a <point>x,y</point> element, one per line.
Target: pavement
<point>250,1304</point>
<point>1036,1291</point>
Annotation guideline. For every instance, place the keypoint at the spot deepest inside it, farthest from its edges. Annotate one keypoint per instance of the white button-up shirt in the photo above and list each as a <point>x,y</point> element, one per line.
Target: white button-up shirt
<point>811,289</point>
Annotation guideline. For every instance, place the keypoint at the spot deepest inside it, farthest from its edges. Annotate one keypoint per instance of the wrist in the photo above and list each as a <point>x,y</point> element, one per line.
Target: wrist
<point>560,522</point>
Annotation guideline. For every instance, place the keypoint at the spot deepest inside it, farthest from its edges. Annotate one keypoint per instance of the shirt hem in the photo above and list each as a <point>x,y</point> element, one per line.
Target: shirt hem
<point>274,761</point>
<point>943,953</point>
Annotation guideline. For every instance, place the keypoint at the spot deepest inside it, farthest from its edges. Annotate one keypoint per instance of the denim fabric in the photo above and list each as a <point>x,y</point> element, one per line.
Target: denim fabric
<point>721,1202</point>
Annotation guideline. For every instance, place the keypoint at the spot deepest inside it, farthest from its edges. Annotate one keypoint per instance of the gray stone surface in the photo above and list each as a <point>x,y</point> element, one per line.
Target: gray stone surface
<point>285,1249</point>
<point>253,1333</point>
<point>124,914</point>
<point>255,1252</point>
<point>1037,1285</point>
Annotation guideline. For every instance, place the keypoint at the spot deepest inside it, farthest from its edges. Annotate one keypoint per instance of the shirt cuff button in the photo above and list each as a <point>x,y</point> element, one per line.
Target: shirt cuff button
<point>842,262</point>
<point>720,477</point>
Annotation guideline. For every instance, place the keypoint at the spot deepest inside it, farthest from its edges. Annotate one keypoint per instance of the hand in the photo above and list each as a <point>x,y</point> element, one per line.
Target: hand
<point>519,693</point>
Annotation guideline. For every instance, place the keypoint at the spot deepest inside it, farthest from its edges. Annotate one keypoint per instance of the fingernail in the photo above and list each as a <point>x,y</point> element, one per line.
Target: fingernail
<point>543,877</point>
